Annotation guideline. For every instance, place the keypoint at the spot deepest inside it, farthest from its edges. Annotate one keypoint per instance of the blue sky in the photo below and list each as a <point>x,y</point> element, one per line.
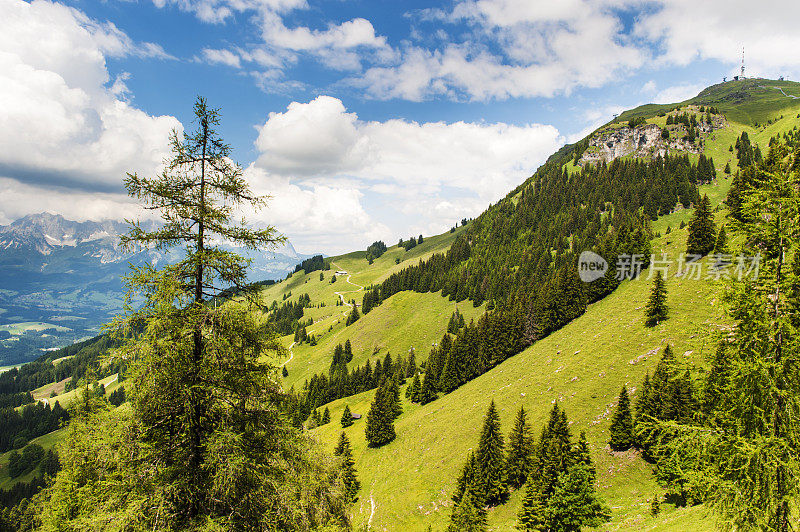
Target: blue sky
<point>364,119</point>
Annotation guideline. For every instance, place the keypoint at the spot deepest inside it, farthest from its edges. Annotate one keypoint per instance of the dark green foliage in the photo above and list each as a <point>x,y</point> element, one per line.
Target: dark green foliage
<point>456,322</point>
<point>466,479</point>
<point>375,250</point>
<point>347,417</point>
<point>286,318</point>
<point>656,310</point>
<point>313,264</point>
<point>727,168</point>
<point>520,451</point>
<point>702,231</point>
<point>326,417</point>
<point>284,372</point>
<point>622,436</point>
<point>574,503</point>
<point>490,482</point>
<point>353,316</point>
<point>721,244</point>
<point>380,418</point>
<point>469,515</point>
<point>560,491</point>
<point>413,390</point>
<point>349,479</point>
<point>18,427</point>
<point>117,397</point>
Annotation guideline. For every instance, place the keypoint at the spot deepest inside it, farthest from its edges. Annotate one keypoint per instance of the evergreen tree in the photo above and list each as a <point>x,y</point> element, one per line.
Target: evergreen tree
<point>347,417</point>
<point>393,395</point>
<point>199,445</point>
<point>414,389</point>
<point>574,503</point>
<point>531,516</point>
<point>622,437</point>
<point>466,478</point>
<point>428,390</point>
<point>721,244</point>
<point>491,485</point>
<point>380,421</point>
<point>284,372</point>
<point>326,417</point>
<point>411,364</point>
<point>655,506</point>
<point>702,232</point>
<point>656,310</point>
<point>520,451</point>
<point>468,515</point>
<point>349,479</point>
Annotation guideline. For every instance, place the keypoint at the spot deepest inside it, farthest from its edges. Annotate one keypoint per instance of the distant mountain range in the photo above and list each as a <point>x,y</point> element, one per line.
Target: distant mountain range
<point>67,273</point>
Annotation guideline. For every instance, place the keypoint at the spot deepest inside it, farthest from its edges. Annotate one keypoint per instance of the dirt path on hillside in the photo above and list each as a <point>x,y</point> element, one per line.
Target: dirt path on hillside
<point>340,294</point>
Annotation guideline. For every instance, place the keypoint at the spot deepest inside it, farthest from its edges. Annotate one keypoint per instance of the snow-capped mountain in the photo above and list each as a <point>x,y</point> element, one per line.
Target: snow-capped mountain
<point>51,267</point>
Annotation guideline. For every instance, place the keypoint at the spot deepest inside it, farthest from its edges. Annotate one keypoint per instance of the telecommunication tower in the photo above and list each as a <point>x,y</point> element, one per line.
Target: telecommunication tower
<point>742,74</point>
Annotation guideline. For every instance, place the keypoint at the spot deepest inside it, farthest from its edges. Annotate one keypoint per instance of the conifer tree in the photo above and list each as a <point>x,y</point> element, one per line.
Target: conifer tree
<point>427,392</point>
<point>574,503</point>
<point>721,244</point>
<point>380,421</point>
<point>393,395</point>
<point>655,506</point>
<point>469,515</point>
<point>326,417</point>
<point>413,390</point>
<point>702,232</point>
<point>622,437</point>
<point>656,310</point>
<point>411,364</point>
<point>520,451</point>
<point>198,446</point>
<point>465,479</point>
<point>347,417</point>
<point>491,486</point>
<point>531,516</point>
<point>349,479</point>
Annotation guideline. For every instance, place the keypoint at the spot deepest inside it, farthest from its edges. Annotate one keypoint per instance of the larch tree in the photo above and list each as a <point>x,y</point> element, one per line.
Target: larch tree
<point>198,446</point>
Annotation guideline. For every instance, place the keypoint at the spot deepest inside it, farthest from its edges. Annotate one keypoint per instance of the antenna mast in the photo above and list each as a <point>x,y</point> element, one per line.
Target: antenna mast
<point>742,75</point>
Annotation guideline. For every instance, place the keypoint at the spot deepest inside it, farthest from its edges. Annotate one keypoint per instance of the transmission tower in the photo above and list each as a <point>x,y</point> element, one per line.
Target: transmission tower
<point>742,74</point>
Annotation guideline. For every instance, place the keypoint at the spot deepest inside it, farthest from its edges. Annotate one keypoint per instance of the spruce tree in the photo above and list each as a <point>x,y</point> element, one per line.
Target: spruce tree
<point>411,364</point>
<point>349,479</point>
<point>520,451</point>
<point>574,503</point>
<point>622,437</point>
<point>491,484</point>
<point>656,310</point>
<point>427,392</point>
<point>702,232</point>
<point>721,244</point>
<point>466,478</point>
<point>413,390</point>
<point>655,506</point>
<point>347,417</point>
<point>469,515</point>
<point>531,516</point>
<point>326,417</point>
<point>380,421</point>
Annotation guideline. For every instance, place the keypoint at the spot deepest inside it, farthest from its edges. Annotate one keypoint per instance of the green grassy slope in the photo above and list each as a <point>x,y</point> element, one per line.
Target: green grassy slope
<point>583,365</point>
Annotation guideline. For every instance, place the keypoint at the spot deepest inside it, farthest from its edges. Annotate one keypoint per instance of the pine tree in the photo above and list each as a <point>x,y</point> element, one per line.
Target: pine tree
<point>349,479</point>
<point>326,417</point>
<point>656,310</point>
<point>411,364</point>
<point>491,485</point>
<point>622,437</point>
<point>393,394</point>
<point>380,423</point>
<point>520,451</point>
<point>702,232</point>
<point>347,417</point>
